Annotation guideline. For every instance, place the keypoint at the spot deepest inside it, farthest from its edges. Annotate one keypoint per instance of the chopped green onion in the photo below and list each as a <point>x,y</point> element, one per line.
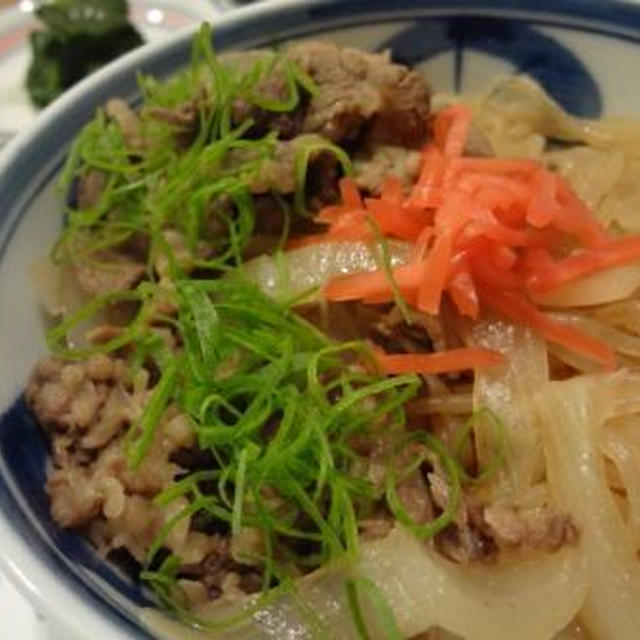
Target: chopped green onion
<point>379,605</point>
<point>308,146</point>
<point>429,529</point>
<point>140,437</point>
<point>462,437</point>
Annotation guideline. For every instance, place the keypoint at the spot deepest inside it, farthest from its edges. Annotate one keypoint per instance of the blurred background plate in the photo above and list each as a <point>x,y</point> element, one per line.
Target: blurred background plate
<point>154,18</point>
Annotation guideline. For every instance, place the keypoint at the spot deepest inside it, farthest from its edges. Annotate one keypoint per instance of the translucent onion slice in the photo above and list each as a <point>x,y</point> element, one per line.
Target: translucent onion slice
<point>305,270</point>
<point>572,415</point>
<point>525,598</point>
<point>621,203</point>
<point>607,286</point>
<point>591,172</point>
<point>621,341</point>
<point>56,287</point>
<point>624,314</point>
<point>507,600</point>
<point>621,443</point>
<point>506,390</point>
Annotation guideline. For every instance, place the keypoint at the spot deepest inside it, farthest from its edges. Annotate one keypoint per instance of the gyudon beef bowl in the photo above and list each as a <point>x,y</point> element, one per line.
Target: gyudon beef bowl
<point>324,322</point>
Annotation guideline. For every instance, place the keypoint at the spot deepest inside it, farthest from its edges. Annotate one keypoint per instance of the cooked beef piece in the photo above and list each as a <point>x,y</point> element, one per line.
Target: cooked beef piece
<point>71,397</point>
<point>362,93</point>
<point>425,333</point>
<point>274,86</point>
<point>511,526</point>
<point>466,542</point>
<point>375,528</point>
<point>88,407</point>
<point>122,114</point>
<point>90,188</point>
<point>88,404</point>
<point>481,531</point>
<point>270,219</point>
<point>218,571</point>
<point>382,324</point>
<point>321,186</point>
<point>286,124</point>
<point>358,94</point>
<point>413,491</point>
<point>107,271</point>
<point>277,172</point>
<point>185,118</point>
<point>373,165</point>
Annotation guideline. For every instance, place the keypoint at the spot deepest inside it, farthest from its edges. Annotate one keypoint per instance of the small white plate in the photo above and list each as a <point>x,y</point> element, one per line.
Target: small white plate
<point>154,18</point>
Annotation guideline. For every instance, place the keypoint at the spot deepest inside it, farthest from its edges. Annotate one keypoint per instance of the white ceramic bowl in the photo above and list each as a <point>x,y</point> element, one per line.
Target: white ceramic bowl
<point>584,52</point>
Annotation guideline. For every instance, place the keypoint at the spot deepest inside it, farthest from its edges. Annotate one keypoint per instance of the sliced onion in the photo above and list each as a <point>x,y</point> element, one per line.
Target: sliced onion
<point>624,314</point>
<point>507,600</point>
<point>591,172</point>
<point>510,599</point>
<point>622,202</point>
<point>572,414</point>
<point>304,270</point>
<point>574,631</point>
<point>621,341</point>
<point>56,287</point>
<point>506,390</point>
<point>607,286</point>
<point>621,443</point>
<point>575,360</point>
<point>455,403</point>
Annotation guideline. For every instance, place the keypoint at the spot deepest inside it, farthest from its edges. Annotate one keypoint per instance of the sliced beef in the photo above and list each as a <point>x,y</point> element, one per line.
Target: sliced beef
<point>362,93</point>
<point>277,172</point>
<point>321,186</point>
<point>185,118</point>
<point>106,271</point>
<point>425,333</point>
<point>413,491</point>
<point>122,114</point>
<point>286,124</point>
<point>466,541</point>
<point>220,573</point>
<point>68,397</point>
<point>88,408</point>
<point>481,531</point>
<point>373,165</point>
<point>545,529</point>
<point>90,188</point>
<point>375,528</point>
